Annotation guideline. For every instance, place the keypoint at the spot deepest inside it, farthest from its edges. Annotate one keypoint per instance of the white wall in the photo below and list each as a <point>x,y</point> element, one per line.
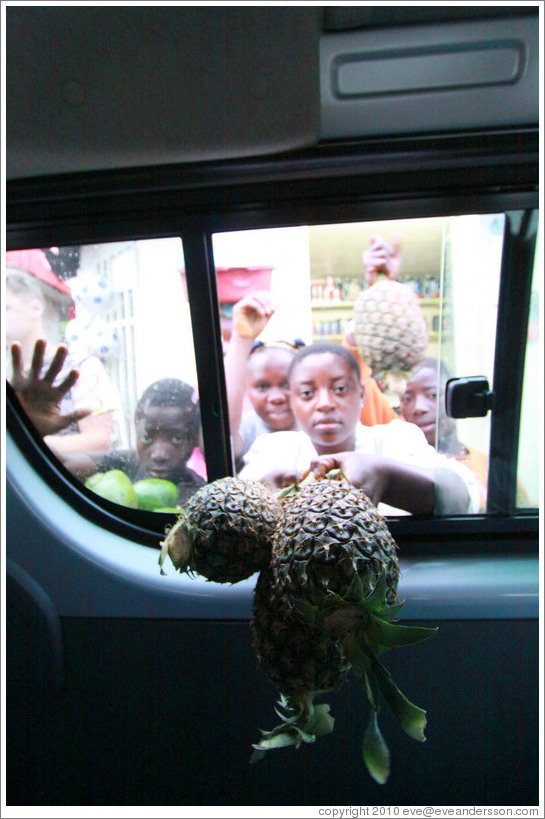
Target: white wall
<point>476,247</point>
<point>152,313</point>
<point>287,251</point>
<point>163,335</point>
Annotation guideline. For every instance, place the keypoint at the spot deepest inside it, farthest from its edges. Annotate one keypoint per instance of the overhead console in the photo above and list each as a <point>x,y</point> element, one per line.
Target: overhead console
<point>446,77</point>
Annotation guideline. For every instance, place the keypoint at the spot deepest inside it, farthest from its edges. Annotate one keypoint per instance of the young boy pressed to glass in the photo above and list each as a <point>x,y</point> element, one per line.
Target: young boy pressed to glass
<point>167,423</point>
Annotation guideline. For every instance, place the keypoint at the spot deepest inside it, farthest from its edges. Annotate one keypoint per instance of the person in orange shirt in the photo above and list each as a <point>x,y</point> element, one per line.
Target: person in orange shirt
<point>377,409</point>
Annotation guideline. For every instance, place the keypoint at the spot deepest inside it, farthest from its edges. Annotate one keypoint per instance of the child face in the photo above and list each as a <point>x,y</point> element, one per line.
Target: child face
<point>164,442</point>
<point>268,388</point>
<point>419,405</point>
<point>327,398</point>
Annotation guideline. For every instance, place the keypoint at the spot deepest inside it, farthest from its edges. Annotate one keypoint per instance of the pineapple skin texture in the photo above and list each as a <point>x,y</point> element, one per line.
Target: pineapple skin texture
<point>300,661</point>
<point>390,330</point>
<point>227,526</point>
<point>331,531</point>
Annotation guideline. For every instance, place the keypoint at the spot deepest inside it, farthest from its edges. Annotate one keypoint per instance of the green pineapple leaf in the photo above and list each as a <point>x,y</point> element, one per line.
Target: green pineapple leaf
<point>307,612</point>
<point>360,658</point>
<point>286,491</point>
<point>375,751</point>
<point>375,600</point>
<point>336,475</point>
<point>411,718</point>
<point>302,736</point>
<point>389,612</point>
<point>284,702</point>
<point>284,735</point>
<point>287,720</point>
<point>292,731</point>
<point>379,636</point>
<point>320,722</point>
<point>390,635</point>
<point>370,685</point>
<point>280,740</point>
<point>355,590</point>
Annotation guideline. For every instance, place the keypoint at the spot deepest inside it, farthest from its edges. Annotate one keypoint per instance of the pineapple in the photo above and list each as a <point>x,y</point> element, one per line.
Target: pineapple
<point>334,570</point>
<point>390,330</point>
<point>338,534</point>
<point>280,635</point>
<point>224,532</point>
<point>299,661</point>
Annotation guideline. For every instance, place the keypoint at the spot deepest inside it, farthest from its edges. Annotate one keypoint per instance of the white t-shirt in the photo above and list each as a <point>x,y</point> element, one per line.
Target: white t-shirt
<point>251,427</point>
<point>398,440</point>
<point>94,390</point>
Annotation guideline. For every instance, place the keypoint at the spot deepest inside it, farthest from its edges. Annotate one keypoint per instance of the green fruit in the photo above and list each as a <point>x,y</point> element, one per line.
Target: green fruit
<point>115,486</point>
<point>156,493</point>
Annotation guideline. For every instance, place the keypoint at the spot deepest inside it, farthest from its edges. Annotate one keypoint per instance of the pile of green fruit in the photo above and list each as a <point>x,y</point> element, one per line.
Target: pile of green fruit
<point>152,494</point>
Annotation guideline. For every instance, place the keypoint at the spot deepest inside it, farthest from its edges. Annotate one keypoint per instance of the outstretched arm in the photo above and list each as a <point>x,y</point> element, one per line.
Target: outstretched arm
<point>38,397</point>
<point>416,489</point>
<point>250,316</point>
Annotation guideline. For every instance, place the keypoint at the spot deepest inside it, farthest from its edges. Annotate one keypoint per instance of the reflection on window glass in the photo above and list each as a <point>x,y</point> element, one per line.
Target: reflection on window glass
<point>414,300</point>
<point>472,263</point>
<point>121,310</point>
<point>530,445</point>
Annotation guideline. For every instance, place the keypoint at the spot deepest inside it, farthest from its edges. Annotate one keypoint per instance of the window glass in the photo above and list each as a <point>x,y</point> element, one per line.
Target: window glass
<point>530,443</point>
<point>320,284</point>
<point>471,278</point>
<point>122,310</point>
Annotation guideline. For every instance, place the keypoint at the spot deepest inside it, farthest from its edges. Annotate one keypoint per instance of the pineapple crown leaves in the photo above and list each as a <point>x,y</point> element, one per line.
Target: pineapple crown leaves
<point>375,751</point>
<point>369,631</point>
<point>377,680</point>
<point>303,726</point>
<point>369,615</point>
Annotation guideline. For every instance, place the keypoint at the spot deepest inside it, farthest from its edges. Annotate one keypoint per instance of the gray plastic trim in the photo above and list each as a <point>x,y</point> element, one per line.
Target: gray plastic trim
<point>477,74</point>
<point>91,87</point>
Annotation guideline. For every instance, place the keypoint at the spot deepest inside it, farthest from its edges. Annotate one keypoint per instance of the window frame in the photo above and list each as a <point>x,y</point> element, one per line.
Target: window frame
<point>346,182</point>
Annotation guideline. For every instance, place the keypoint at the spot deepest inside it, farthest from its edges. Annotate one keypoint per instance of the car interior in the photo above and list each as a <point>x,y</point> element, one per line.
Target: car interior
<point>167,161</point>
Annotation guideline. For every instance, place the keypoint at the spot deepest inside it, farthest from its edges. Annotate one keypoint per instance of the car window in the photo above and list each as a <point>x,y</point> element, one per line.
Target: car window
<point>122,310</point>
<point>320,280</point>
<point>126,320</point>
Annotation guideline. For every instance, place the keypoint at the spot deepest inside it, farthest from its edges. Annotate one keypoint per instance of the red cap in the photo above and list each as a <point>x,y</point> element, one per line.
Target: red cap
<point>35,262</point>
